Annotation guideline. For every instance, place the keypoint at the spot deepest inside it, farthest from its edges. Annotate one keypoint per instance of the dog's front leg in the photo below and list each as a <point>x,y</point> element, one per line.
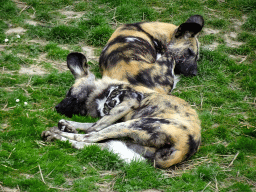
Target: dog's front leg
<point>72,126</point>
<point>115,114</point>
<point>55,134</point>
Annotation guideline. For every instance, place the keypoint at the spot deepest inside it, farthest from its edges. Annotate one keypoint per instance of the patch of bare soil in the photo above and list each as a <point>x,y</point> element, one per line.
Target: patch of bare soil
<point>18,30</point>
<point>209,31</point>
<point>2,47</point>
<point>27,175</point>
<point>237,23</point>
<point>7,189</point>
<point>212,46</point>
<point>32,70</point>
<point>71,14</point>
<point>238,58</point>
<point>228,37</point>
<point>233,35</point>
<point>39,41</point>
<point>104,187</point>
<point>3,125</point>
<point>31,22</point>
<point>230,42</point>
<point>20,4</point>
<point>158,9</point>
<point>23,6</point>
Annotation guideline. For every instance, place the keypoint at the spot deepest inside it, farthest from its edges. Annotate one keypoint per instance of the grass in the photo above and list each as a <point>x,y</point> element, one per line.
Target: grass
<point>224,95</point>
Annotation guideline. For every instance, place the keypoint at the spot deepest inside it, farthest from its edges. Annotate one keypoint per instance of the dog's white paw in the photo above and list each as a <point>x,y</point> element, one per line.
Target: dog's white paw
<point>65,126</point>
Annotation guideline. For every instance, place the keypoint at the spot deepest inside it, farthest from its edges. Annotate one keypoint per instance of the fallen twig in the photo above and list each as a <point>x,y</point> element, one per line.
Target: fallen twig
<point>206,186</point>
<point>59,188</point>
<point>231,163</point>
<point>191,87</point>
<point>212,9</point>
<point>216,184</point>
<point>11,153</point>
<point>202,99</point>
<point>41,174</point>
<point>243,59</point>
<point>93,167</point>
<point>9,167</point>
<point>51,172</point>
<point>18,187</point>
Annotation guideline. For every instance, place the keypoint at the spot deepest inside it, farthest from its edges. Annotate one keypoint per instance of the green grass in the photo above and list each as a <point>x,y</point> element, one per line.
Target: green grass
<point>250,24</point>
<point>223,93</point>
<point>56,53</point>
<point>8,9</point>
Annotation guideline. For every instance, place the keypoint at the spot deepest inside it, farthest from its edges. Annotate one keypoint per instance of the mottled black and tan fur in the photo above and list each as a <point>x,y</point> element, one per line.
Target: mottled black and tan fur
<point>135,53</point>
<point>156,126</point>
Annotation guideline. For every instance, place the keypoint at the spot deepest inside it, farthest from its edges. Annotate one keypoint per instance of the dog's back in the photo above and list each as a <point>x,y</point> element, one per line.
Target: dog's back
<point>136,53</point>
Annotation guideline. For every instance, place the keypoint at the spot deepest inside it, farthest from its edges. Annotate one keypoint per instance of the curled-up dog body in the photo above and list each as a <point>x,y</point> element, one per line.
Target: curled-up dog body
<point>135,50</point>
<point>146,124</point>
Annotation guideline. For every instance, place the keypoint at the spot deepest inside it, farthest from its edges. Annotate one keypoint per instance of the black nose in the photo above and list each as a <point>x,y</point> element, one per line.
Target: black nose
<point>192,70</point>
<point>57,107</point>
<point>193,73</point>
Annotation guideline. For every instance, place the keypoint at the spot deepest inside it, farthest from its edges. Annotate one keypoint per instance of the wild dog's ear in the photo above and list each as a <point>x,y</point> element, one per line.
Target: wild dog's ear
<point>196,19</point>
<point>191,27</point>
<point>77,64</point>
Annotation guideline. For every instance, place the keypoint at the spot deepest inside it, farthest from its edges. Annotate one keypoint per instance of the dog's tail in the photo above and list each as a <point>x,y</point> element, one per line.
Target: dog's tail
<point>169,155</point>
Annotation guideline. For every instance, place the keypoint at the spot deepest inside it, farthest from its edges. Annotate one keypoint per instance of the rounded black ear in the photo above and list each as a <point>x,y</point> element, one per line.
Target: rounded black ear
<point>196,19</point>
<point>192,26</point>
<point>77,64</point>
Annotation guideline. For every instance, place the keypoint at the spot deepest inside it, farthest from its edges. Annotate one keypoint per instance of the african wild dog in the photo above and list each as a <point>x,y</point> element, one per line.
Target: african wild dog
<point>133,51</point>
<point>159,127</point>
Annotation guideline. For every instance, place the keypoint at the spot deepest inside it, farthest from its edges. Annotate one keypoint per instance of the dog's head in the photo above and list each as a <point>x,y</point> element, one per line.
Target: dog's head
<point>75,101</point>
<point>185,47</point>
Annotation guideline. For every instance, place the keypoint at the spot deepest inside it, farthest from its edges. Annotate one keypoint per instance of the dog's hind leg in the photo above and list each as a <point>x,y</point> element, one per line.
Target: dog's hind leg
<point>138,130</point>
<point>72,126</point>
<point>126,129</point>
<point>124,151</point>
<point>170,148</point>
